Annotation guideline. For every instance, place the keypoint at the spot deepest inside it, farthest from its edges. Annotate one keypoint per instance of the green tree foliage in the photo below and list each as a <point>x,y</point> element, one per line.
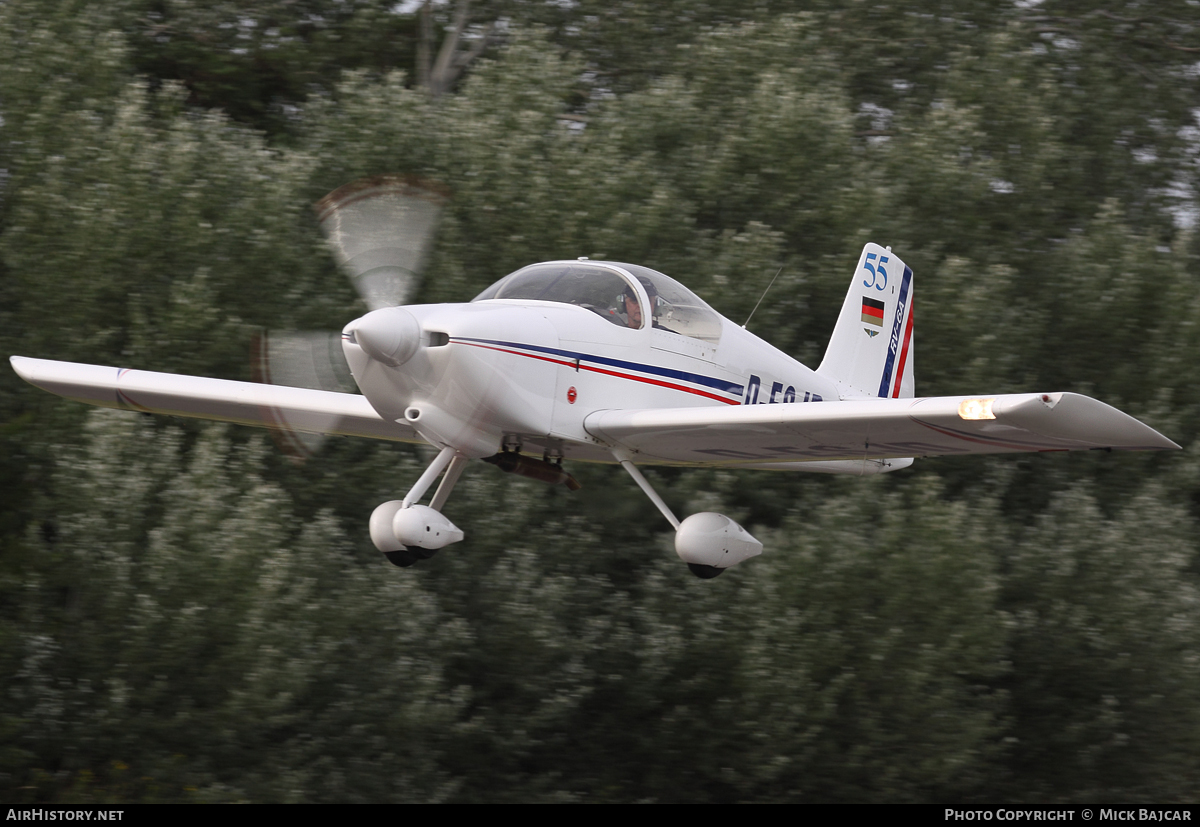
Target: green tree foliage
<point>1107,690</point>
<point>158,653</point>
<point>186,616</point>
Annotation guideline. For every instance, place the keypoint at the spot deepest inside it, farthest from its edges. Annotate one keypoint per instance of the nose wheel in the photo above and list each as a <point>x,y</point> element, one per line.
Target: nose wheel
<point>403,558</point>
<point>407,532</point>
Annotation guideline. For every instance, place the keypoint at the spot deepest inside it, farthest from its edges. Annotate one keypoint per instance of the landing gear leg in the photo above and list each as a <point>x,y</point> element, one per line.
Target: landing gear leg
<point>431,473</point>
<point>627,464</point>
<point>708,542</point>
<point>453,472</point>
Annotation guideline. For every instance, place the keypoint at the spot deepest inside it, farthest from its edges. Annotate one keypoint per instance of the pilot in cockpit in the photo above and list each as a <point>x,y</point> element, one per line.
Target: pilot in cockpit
<point>633,310</point>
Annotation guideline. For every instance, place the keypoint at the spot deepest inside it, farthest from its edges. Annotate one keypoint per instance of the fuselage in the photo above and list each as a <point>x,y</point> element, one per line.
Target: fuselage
<point>500,372</point>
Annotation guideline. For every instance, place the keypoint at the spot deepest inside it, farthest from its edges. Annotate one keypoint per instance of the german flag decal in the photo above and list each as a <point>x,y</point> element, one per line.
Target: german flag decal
<point>872,312</point>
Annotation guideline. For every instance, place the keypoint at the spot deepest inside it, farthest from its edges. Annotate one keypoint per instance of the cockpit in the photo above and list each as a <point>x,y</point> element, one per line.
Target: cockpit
<point>618,293</point>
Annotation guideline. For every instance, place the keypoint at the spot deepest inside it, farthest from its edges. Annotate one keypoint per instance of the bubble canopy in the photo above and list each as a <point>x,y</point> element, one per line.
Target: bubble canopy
<point>607,289</point>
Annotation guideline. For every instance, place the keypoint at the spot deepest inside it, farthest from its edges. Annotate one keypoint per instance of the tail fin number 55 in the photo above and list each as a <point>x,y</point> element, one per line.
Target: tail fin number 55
<point>877,272</point>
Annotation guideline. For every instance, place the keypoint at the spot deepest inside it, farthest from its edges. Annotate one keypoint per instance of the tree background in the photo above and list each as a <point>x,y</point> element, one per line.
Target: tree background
<point>186,615</point>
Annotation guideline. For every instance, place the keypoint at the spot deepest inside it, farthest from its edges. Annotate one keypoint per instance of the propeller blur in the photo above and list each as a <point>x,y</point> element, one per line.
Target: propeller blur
<point>594,361</point>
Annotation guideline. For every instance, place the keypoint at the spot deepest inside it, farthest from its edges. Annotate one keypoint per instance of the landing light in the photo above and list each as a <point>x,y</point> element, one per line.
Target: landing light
<point>976,409</point>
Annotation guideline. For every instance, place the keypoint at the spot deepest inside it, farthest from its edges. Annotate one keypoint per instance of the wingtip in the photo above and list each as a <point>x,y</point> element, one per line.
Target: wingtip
<point>20,364</point>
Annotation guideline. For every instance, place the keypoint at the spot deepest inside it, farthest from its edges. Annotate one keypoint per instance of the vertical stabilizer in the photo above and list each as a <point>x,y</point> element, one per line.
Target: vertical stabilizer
<point>871,351</point>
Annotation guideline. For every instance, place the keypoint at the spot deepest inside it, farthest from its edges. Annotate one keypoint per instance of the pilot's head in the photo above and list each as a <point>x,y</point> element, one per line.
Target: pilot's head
<point>633,310</point>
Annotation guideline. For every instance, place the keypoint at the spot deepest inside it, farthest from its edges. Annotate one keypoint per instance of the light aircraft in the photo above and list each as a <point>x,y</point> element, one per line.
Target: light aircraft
<point>602,361</point>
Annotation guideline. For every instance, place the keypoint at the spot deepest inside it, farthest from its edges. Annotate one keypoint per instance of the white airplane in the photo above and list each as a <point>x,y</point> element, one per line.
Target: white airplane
<point>601,361</point>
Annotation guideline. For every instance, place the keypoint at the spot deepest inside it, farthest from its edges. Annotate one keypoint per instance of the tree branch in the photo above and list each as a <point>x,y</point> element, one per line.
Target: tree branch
<point>441,77</point>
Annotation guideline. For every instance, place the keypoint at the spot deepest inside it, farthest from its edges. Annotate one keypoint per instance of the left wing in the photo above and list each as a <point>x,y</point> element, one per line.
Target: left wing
<point>247,403</point>
<point>868,430</point>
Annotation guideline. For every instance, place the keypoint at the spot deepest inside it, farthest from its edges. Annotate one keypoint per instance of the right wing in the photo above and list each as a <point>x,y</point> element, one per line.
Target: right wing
<point>858,435</point>
<point>246,403</point>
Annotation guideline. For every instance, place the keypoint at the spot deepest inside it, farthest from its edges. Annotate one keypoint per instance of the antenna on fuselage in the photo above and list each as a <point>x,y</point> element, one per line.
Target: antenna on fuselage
<point>760,298</point>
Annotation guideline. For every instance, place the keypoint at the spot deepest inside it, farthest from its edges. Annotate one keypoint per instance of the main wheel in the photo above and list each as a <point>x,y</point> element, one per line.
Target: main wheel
<point>704,572</point>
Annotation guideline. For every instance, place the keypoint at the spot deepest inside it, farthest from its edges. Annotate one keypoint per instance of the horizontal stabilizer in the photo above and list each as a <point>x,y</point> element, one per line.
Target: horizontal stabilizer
<point>246,403</point>
<point>778,436</point>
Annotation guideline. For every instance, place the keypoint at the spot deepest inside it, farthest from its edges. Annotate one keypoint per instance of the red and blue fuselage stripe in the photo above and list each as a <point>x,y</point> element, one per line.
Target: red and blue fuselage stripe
<point>616,367</point>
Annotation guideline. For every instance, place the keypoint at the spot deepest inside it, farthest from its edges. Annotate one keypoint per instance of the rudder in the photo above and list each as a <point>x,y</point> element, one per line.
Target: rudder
<point>871,351</point>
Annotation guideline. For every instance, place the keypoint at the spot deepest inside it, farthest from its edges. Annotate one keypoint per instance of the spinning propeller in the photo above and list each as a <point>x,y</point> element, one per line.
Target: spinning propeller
<point>380,229</point>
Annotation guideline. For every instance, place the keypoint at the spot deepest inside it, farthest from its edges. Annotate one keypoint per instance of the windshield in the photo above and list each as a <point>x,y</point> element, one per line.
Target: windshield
<point>606,292</point>
<point>599,289</point>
